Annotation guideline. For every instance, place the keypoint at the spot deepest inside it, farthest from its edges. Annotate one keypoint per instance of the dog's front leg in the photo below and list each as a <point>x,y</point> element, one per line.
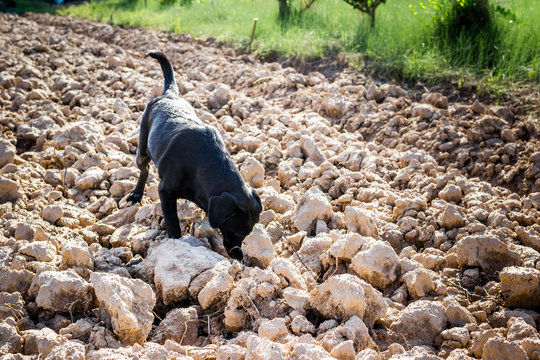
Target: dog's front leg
<point>168,204</point>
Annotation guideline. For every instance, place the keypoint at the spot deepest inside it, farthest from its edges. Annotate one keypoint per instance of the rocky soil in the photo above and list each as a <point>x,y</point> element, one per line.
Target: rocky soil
<point>392,228</point>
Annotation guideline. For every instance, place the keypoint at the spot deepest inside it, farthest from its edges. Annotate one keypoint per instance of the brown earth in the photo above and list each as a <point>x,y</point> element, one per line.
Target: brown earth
<point>396,222</point>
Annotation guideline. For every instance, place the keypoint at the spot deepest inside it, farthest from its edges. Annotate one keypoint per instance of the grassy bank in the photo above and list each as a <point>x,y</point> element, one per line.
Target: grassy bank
<point>400,46</point>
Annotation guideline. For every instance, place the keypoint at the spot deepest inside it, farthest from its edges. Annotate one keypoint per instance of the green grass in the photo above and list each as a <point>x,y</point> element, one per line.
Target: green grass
<point>400,46</point>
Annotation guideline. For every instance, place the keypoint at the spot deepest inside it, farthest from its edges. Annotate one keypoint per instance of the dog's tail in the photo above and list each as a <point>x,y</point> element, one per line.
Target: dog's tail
<point>168,74</point>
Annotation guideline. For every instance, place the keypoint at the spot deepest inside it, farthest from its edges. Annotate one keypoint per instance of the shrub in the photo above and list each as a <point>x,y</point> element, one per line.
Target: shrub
<point>366,6</point>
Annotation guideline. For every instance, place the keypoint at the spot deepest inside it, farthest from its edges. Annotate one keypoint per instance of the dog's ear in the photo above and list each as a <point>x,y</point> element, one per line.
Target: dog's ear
<point>221,208</point>
<point>257,205</point>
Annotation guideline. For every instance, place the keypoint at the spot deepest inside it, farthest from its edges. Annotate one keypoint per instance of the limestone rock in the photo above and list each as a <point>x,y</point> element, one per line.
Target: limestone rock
<point>174,263</point>
<point>215,290</point>
<point>420,282</point>
<point>498,348</point>
<point>313,205</point>
<point>7,153</point>
<point>231,352</point>
<point>180,325</point>
<point>61,291</point>
<point>10,340</point>
<point>273,329</point>
<point>127,304</point>
<point>70,350</point>
<point>9,190</point>
<point>520,287</point>
<point>452,217</point>
<point>91,178</point>
<point>253,172</point>
<point>77,254</point>
<point>420,322</point>
<point>39,250</point>
<point>378,264</point>
<point>345,296</point>
<point>260,348</point>
<point>41,341</point>
<point>257,247</point>
<point>486,251</point>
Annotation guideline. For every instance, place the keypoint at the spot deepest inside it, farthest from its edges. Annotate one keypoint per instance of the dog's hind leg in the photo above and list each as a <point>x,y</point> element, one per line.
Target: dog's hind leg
<point>168,205</point>
<point>142,160</point>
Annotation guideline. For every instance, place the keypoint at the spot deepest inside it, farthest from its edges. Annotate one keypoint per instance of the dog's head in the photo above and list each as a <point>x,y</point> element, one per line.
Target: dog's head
<point>235,218</point>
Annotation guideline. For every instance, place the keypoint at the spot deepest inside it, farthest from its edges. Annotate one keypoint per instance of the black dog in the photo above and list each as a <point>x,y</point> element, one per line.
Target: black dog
<point>193,164</point>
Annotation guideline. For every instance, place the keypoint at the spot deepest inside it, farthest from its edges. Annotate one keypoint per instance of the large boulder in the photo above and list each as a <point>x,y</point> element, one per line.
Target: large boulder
<point>127,304</point>
<point>520,287</point>
<point>313,205</point>
<point>180,325</point>
<point>420,322</point>
<point>378,265</point>
<point>61,291</point>
<point>174,263</point>
<point>346,295</point>
<point>487,251</point>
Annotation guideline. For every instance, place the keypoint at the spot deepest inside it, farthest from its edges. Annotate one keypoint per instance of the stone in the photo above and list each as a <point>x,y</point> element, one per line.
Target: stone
<point>361,339</point>
<point>52,213</point>
<point>345,295</point>
<point>458,315</point>
<point>452,217</point>
<point>9,190</point>
<point>15,308</point>
<point>485,250</point>
<point>231,352</point>
<point>313,205</point>
<point>253,172</point>
<point>451,193</point>
<point>260,348</point>
<point>70,350</point>
<point>344,351</point>
<point>41,341</point>
<point>7,153</point>
<point>420,322</point>
<point>498,348</point>
<point>378,264</point>
<point>423,111</point>
<point>348,245</point>
<point>127,304</point>
<point>77,254</point>
<point>310,352</point>
<point>180,325</point>
<point>520,287</point>
<point>39,250</point>
<point>273,329</point>
<point>368,354</point>
<point>528,237</point>
<point>216,290</point>
<point>362,221</point>
<point>174,263</point>
<point>61,291</point>
<point>457,335</point>
<point>420,282</point>
<point>518,329</point>
<point>300,325</point>
<point>220,96</point>
<point>296,298</point>
<point>310,252</point>
<point>286,268</point>
<point>374,93</point>
<point>257,247</point>
<point>10,340</point>
<point>16,280</point>
<point>91,178</point>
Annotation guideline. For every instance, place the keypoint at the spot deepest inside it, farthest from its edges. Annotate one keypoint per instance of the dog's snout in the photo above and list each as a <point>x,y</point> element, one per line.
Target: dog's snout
<point>236,253</point>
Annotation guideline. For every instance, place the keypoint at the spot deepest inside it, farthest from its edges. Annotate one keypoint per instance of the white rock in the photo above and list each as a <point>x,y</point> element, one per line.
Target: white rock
<point>452,217</point>
<point>313,205</point>
<point>215,290</point>
<point>52,213</point>
<point>273,329</point>
<point>220,96</point>
<point>77,254</point>
<point>180,325</point>
<point>348,245</point>
<point>420,322</point>
<point>257,247</point>
<point>450,193</point>
<point>378,264</point>
<point>424,111</point>
<point>61,291</point>
<point>9,190</point>
<point>487,251</point>
<point>345,296</point>
<point>70,350</point>
<point>296,298</point>
<point>284,267</point>
<point>420,282</point>
<point>361,220</point>
<point>127,303</point>
<point>300,325</point>
<point>7,153</point>
<point>174,263</point>
<point>344,351</point>
<point>91,178</point>
<point>231,352</point>
<point>520,287</point>
<point>260,348</point>
<point>280,203</point>
<point>310,253</point>
<point>41,341</point>
<point>310,352</point>
<point>253,172</point>
<point>39,250</point>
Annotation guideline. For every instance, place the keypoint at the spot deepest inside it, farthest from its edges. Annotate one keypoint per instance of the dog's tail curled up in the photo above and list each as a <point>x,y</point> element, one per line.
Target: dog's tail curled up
<point>168,74</point>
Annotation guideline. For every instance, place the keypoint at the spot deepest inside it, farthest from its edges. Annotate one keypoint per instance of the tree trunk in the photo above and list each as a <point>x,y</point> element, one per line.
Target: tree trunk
<point>283,9</point>
<point>372,15</point>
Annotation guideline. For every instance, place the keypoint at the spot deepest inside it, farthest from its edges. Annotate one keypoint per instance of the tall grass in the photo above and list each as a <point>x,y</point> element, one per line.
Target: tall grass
<point>400,46</point>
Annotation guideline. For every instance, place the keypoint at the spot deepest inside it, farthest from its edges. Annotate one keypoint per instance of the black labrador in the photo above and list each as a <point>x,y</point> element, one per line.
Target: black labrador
<point>194,164</point>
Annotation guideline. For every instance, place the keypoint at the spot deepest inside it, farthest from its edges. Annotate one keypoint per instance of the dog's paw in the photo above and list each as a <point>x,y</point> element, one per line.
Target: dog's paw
<point>134,197</point>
